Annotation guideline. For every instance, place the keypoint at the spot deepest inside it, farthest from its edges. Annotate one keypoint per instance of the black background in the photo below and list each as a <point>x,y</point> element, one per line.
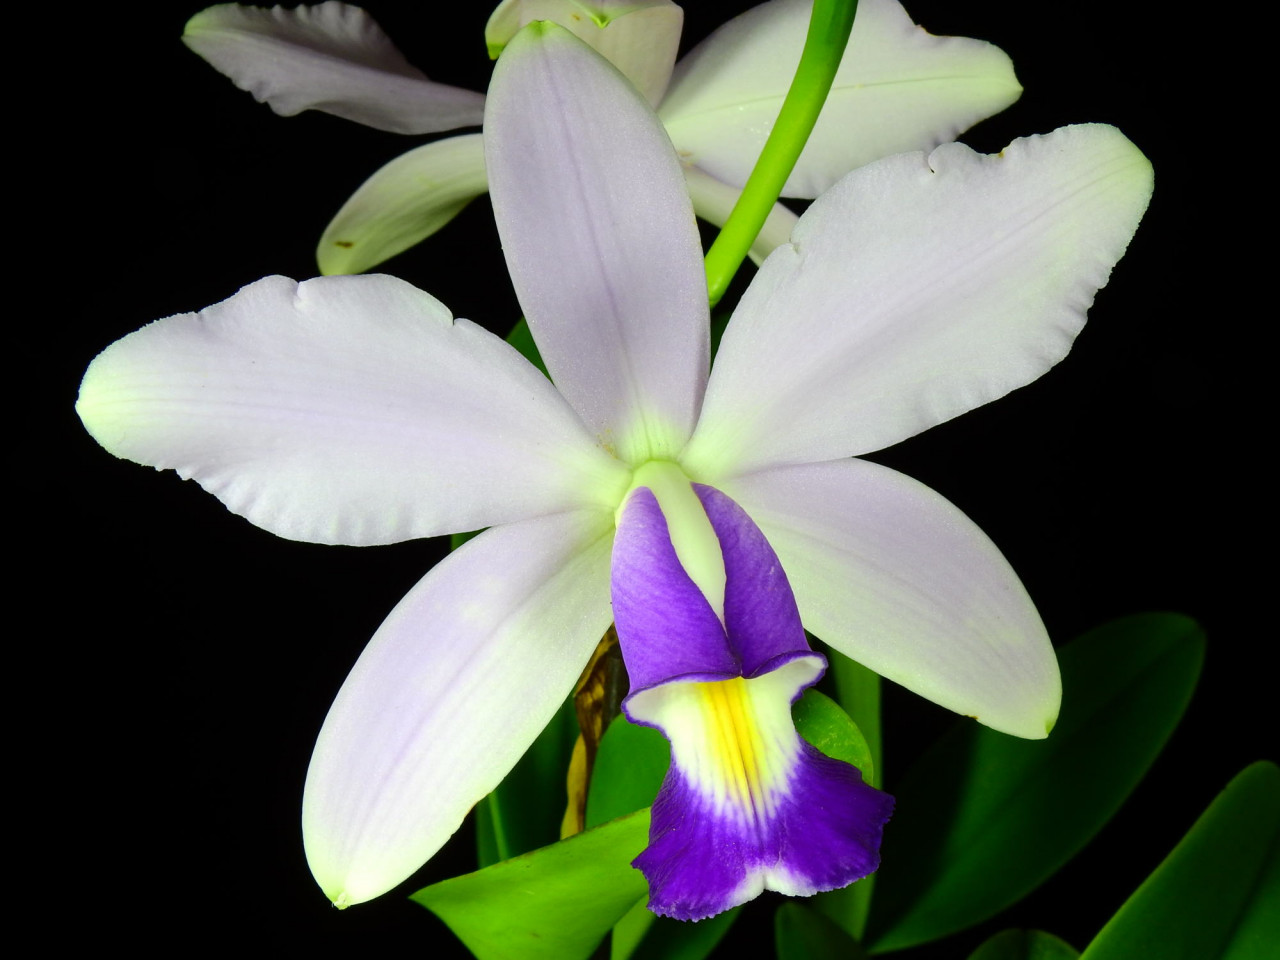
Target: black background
<point>181,660</point>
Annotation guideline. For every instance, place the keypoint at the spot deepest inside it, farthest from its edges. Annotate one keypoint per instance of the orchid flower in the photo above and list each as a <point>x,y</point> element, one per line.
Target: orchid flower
<point>898,89</point>
<point>720,508</point>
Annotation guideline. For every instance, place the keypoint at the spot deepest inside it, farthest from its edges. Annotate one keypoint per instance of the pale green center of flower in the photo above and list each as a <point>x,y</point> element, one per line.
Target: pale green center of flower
<point>696,544</point>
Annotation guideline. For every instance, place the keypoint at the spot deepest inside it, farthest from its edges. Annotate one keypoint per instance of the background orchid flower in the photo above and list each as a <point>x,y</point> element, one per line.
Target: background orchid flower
<point>354,410</point>
<point>898,89</point>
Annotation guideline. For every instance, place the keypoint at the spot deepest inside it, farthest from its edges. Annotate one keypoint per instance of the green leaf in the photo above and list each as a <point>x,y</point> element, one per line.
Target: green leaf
<point>629,767</point>
<point>820,720</point>
<point>1217,895</point>
<point>630,930</point>
<point>524,813</point>
<point>800,933</point>
<point>556,903</point>
<point>984,818</point>
<point>858,693</point>
<point>1025,945</point>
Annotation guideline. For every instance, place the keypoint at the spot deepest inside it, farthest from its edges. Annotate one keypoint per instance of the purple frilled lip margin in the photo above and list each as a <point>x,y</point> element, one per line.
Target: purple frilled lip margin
<point>746,805</point>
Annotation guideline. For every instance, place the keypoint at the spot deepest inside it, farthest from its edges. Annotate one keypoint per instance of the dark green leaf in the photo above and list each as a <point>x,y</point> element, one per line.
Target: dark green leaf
<point>1217,895</point>
<point>488,849</point>
<point>556,903</point>
<point>458,539</point>
<point>668,939</point>
<point>1025,945</point>
<point>849,906</point>
<point>800,933</point>
<point>719,321</point>
<point>984,818</point>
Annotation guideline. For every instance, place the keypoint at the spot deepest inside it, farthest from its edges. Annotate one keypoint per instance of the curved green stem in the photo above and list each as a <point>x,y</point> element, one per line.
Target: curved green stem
<point>824,45</point>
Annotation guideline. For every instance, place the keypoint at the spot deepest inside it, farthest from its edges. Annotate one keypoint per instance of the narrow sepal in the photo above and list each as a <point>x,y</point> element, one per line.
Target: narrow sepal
<point>403,203</point>
<point>600,240</point>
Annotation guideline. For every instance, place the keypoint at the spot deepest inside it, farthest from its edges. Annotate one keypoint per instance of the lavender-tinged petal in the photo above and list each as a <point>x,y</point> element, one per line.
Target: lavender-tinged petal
<point>889,573</point>
<point>747,805</point>
<point>332,57</point>
<point>665,625</point>
<point>713,201</point>
<point>915,289</point>
<point>760,613</point>
<point>600,240</point>
<point>403,203</point>
<point>453,687</point>
<point>348,410</point>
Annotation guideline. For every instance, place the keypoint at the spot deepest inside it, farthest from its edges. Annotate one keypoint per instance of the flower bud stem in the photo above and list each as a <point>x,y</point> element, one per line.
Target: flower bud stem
<point>824,45</point>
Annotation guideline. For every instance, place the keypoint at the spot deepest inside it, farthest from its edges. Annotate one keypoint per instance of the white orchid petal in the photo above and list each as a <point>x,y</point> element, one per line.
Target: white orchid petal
<point>898,89</point>
<point>639,37</point>
<point>403,203</point>
<point>917,289</point>
<point>345,410</point>
<point>600,239</point>
<point>893,575</point>
<point>713,201</point>
<point>451,690</point>
<point>332,57</point>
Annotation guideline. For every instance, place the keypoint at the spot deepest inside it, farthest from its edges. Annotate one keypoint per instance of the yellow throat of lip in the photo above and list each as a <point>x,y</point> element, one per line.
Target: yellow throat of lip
<point>734,737</point>
<point>733,740</point>
<point>743,758</point>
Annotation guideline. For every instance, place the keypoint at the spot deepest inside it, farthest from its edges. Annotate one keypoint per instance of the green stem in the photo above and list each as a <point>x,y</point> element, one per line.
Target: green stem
<point>824,45</point>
